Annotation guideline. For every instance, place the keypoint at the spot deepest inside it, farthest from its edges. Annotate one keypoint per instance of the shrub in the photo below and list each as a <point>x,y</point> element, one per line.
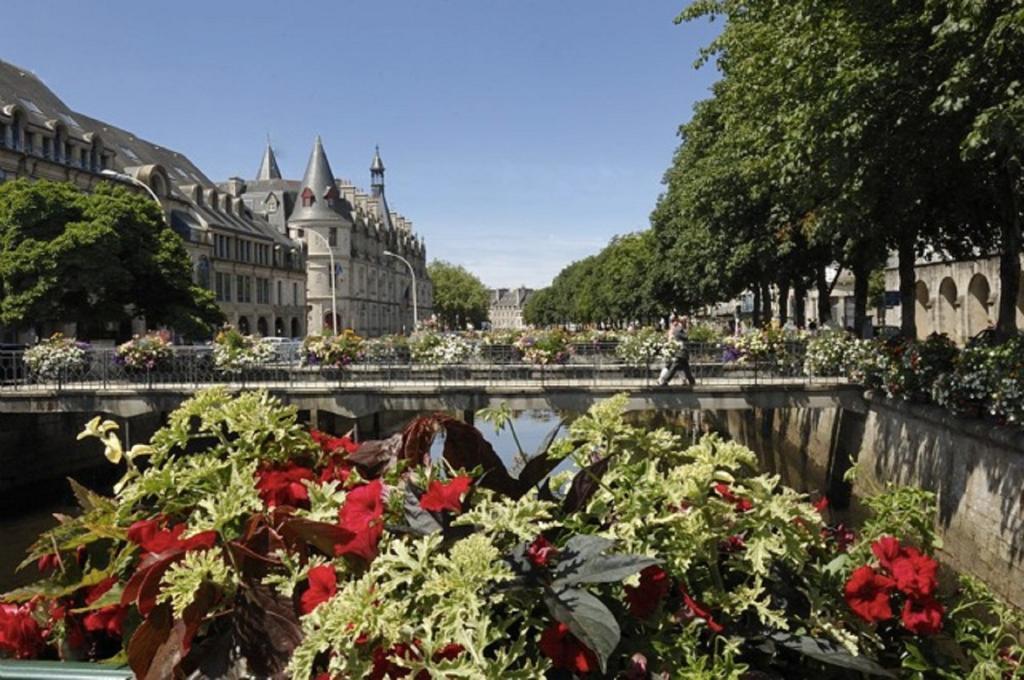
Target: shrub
<point>150,352</point>
<point>705,333</point>
<point>644,346</point>
<point>336,350</point>
<point>234,352</point>
<point>386,348</point>
<point>828,354</point>
<point>304,554</point>
<point>56,357</point>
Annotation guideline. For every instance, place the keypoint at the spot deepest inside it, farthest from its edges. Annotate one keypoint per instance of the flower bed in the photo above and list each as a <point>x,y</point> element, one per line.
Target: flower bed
<point>386,349</point>
<point>56,357</point>
<point>542,348</point>
<point>145,353</point>
<point>234,352</point>
<point>334,350</point>
<point>271,551</point>
<point>438,349</point>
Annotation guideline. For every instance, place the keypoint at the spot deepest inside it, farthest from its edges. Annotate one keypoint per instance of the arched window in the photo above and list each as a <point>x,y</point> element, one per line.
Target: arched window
<point>308,197</point>
<point>978,292</point>
<point>947,322</point>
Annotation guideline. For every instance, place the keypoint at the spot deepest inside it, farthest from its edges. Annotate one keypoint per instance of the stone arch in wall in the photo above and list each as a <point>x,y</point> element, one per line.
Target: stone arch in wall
<point>948,304</point>
<point>243,325</point>
<point>279,327</point>
<point>296,328</point>
<point>978,292</point>
<point>262,328</point>
<point>922,309</point>
<point>1020,305</point>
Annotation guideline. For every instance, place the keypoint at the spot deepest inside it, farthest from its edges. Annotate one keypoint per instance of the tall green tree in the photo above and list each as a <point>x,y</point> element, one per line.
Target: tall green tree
<point>459,296</point>
<point>95,259</point>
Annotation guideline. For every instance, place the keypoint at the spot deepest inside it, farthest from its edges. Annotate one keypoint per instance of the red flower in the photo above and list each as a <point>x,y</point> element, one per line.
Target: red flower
<point>152,539</point>
<point>739,503</point>
<point>733,544</point>
<point>566,651</point>
<point>644,599</point>
<point>843,536</point>
<point>445,496</point>
<point>48,562</point>
<point>886,549</point>
<point>20,635</point>
<point>922,617</point>
<point>915,574</point>
<point>540,552</point>
<point>361,515</point>
<point>108,619</point>
<point>323,584</point>
<point>821,505</point>
<point>283,485</point>
<point>693,610</point>
<point>867,594</point>
<point>449,652</point>
<point>336,469</point>
<point>331,444</point>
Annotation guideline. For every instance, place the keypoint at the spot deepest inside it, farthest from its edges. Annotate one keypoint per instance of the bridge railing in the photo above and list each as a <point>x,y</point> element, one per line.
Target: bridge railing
<point>191,367</point>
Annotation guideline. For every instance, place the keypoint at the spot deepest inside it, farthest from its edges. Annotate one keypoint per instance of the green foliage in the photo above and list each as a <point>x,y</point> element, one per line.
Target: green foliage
<point>459,296</point>
<point>98,258</point>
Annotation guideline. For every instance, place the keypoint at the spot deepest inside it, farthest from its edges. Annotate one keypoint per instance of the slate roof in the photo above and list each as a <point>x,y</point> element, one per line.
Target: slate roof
<point>319,178</point>
<point>268,167</point>
<point>508,298</point>
<point>42,107</point>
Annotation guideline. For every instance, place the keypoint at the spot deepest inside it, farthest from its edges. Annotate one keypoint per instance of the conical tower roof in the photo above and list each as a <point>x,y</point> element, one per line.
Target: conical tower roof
<point>268,167</point>
<point>377,165</point>
<point>319,182</point>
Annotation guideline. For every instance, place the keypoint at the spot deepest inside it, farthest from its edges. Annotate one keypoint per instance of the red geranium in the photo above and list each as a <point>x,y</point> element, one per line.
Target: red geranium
<point>108,619</point>
<point>362,515</point>
<point>331,444</point>
<point>821,505</point>
<point>867,594</point>
<point>566,651</point>
<point>337,469</point>
<point>20,634</point>
<point>922,617</point>
<point>540,552</point>
<point>915,574</point>
<point>445,496</point>
<point>726,493</point>
<point>886,549</point>
<point>694,610</point>
<point>48,562</point>
<point>323,584</point>
<point>153,538</point>
<point>841,534</point>
<point>283,485</point>
<point>644,599</point>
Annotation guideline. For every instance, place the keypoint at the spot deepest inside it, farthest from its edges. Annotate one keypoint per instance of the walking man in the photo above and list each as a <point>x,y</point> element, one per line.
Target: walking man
<point>678,330</point>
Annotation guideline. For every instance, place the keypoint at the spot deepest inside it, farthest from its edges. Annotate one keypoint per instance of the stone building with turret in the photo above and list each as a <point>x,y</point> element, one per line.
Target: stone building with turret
<point>374,291</point>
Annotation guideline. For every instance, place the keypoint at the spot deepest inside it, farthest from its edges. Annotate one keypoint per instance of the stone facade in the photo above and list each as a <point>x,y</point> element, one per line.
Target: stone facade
<point>330,216</point>
<point>956,297</point>
<point>506,310</point>
<point>257,272</point>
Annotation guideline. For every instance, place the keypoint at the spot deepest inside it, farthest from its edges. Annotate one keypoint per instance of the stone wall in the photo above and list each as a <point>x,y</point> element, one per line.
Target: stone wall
<point>976,469</point>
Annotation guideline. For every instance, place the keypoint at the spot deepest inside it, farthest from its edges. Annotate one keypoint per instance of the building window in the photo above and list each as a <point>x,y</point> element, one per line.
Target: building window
<point>47,148</point>
<point>307,197</point>
<point>280,298</point>
<point>332,237</point>
<point>3,134</point>
<point>295,294</point>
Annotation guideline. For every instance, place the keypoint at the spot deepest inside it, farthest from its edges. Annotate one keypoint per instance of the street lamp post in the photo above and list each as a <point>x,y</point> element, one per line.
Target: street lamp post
<point>412,273</point>
<point>334,275</point>
<point>120,176</point>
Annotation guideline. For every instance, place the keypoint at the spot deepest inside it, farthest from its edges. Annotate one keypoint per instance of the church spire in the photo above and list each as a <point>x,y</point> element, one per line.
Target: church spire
<point>268,167</point>
<point>377,173</point>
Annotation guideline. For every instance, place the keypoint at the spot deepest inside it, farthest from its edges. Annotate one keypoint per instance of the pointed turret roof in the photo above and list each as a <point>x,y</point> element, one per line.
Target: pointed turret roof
<point>319,180</point>
<point>268,167</point>
<point>377,165</point>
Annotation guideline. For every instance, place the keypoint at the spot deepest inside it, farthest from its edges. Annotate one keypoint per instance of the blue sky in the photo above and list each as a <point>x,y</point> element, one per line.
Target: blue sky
<point>519,135</point>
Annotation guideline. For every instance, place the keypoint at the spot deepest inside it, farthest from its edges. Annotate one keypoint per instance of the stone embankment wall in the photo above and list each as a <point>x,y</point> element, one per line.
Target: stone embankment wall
<point>37,450</point>
<point>975,468</point>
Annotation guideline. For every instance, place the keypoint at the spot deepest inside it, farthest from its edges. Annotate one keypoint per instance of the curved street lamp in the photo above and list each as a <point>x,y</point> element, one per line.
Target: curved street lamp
<point>412,273</point>
<point>122,177</point>
<point>334,275</point>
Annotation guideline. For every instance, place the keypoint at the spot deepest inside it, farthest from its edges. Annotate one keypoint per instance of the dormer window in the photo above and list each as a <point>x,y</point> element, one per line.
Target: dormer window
<point>308,197</point>
<point>331,195</point>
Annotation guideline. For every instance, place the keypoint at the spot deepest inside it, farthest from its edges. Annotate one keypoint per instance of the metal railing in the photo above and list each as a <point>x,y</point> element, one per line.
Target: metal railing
<point>590,364</point>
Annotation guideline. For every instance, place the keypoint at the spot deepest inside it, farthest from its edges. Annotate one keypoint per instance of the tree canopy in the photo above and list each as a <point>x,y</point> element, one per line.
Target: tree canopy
<point>95,259</point>
<point>459,296</point>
